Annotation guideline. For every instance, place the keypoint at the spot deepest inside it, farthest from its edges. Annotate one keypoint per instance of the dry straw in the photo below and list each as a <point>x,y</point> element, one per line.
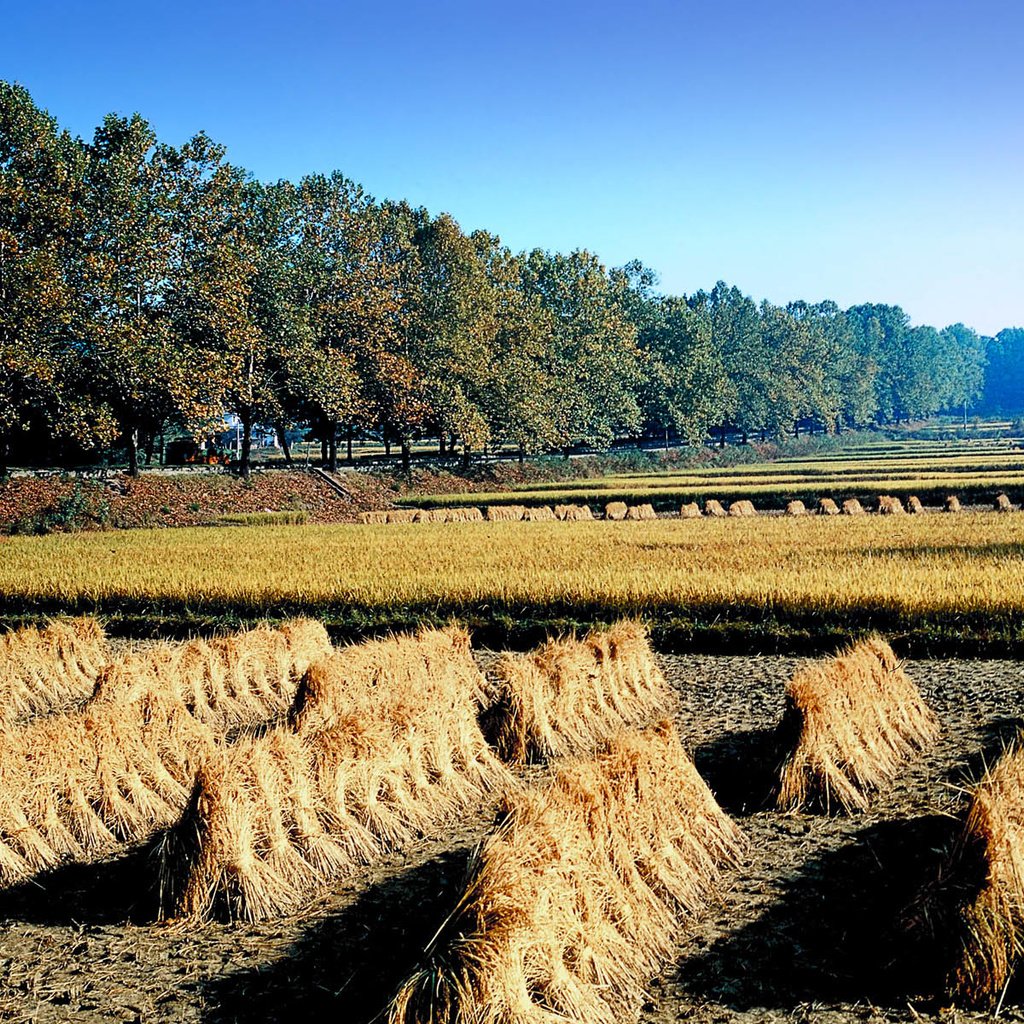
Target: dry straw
<point>914,506</point>
<point>827,507</point>
<point>1002,503</point>
<point>464,515</point>
<point>573,513</point>
<point>850,724</point>
<point>539,514</point>
<point>641,512</point>
<point>888,505</point>
<point>953,503</point>
<point>691,510</point>
<point>852,507</point>
<point>243,679</point>
<point>616,510</point>
<point>742,509</point>
<point>578,898</point>
<point>86,784</point>
<point>977,904</point>
<point>796,508</point>
<point>402,515</point>
<point>374,517</point>
<point>505,513</point>
<point>569,695</point>
<point>385,745</point>
<point>45,670</point>
<point>713,508</point>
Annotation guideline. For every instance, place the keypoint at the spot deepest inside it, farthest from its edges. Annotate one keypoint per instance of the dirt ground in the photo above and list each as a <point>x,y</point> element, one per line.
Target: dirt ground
<point>805,929</point>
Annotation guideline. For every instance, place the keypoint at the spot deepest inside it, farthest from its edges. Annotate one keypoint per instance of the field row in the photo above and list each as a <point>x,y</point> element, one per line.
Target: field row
<point>939,580</point>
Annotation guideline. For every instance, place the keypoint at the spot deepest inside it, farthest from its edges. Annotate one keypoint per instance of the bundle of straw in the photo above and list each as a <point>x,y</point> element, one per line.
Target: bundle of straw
<point>1002,503</point>
<point>852,507</point>
<point>953,503</point>
<point>978,901</point>
<point>578,898</point>
<point>615,510</point>
<point>849,725</point>
<point>568,696</point>
<point>573,513</point>
<point>691,510</point>
<point>402,515</point>
<point>889,505</point>
<point>384,745</point>
<point>373,517</point>
<point>539,514</point>
<point>44,670</point>
<point>914,506</point>
<point>463,515</point>
<point>713,508</point>
<point>796,508</point>
<point>505,513</point>
<point>742,508</point>
<point>827,507</point>
<point>640,512</point>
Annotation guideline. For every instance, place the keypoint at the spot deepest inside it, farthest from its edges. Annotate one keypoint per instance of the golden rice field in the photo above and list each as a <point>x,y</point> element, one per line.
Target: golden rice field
<point>931,470</point>
<point>960,575</point>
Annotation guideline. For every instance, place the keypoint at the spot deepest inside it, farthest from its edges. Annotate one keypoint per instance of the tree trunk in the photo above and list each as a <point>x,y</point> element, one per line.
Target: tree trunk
<point>323,450</point>
<point>465,455</point>
<point>440,444</point>
<point>522,455</point>
<point>150,439</point>
<point>332,447</point>
<point>133,453</point>
<point>282,438</point>
<point>349,432</point>
<point>796,428</point>
<point>387,446</point>
<point>744,437</point>
<point>244,460</point>
<point>721,438</point>
<point>406,458</point>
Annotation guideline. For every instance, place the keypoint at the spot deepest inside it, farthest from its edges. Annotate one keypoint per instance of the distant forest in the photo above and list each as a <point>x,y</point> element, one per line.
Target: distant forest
<point>147,289</point>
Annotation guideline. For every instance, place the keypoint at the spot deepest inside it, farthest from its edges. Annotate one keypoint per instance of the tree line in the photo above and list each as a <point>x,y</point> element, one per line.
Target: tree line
<point>146,287</point>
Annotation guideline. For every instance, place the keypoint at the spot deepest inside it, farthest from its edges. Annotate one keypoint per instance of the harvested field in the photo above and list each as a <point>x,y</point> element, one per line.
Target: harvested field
<point>49,669</point>
<point>804,931</point>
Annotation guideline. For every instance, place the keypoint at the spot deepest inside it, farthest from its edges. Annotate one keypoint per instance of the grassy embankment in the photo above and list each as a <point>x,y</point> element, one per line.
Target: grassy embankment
<point>933,583</point>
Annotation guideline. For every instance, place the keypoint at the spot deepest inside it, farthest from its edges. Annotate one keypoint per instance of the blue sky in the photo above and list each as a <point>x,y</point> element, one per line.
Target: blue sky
<point>861,151</point>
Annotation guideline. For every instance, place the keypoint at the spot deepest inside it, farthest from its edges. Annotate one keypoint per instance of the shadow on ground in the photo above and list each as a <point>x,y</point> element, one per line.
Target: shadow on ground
<point>836,934</point>
<point>741,769</point>
<point>110,892</point>
<point>347,965</point>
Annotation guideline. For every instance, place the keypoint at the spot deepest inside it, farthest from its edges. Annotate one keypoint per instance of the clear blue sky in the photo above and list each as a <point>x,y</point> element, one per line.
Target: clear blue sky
<point>850,149</point>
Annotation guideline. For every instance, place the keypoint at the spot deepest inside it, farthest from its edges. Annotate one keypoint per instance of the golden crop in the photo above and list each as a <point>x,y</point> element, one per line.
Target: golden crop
<point>915,564</point>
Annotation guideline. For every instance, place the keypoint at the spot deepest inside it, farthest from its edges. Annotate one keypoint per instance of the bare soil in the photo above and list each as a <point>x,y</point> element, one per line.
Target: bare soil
<point>806,929</point>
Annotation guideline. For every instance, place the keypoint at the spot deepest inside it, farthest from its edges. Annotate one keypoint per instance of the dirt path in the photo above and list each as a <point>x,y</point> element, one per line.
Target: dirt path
<point>803,930</point>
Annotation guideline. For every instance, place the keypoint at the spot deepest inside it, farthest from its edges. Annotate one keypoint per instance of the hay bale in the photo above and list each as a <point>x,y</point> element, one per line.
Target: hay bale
<point>953,504</point>
<point>1002,503</point>
<point>464,515</point>
<point>578,899</point>
<point>691,510</point>
<point>378,517</point>
<point>914,506</point>
<point>569,695</point>
<point>641,512</point>
<point>852,507</point>
<point>713,508</point>
<point>742,509</point>
<point>796,508</point>
<point>849,725</point>
<point>573,513</point>
<point>49,669</point>
<point>827,507</point>
<point>384,746</point>
<point>505,513</point>
<point>539,514</point>
<point>889,505</point>
<point>975,906</point>
<point>615,510</point>
<point>402,515</point>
